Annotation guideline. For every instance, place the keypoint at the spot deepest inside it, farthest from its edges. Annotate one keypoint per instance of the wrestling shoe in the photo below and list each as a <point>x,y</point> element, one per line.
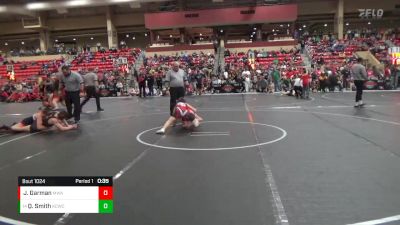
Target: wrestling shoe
<point>196,123</point>
<point>4,127</point>
<point>160,131</point>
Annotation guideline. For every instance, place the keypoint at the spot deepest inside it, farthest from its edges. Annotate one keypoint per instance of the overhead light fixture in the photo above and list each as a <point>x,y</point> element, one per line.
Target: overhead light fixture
<point>127,35</point>
<point>300,29</point>
<point>347,24</point>
<point>56,40</point>
<point>221,31</point>
<point>133,38</point>
<point>22,43</point>
<point>273,30</point>
<point>6,44</point>
<point>91,38</point>
<point>170,35</point>
<point>369,23</point>
<point>325,25</point>
<point>37,5</point>
<point>255,28</point>
<point>145,34</point>
<point>121,1</point>
<point>281,25</point>
<point>288,25</point>
<point>304,26</point>
<point>77,2</point>
<point>134,5</point>
<point>74,39</point>
<point>201,34</point>
<point>62,10</point>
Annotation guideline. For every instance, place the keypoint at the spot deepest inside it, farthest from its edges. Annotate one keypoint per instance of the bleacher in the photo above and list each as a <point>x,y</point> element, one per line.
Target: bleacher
<point>333,55</point>
<point>108,64</point>
<point>267,59</point>
<point>33,68</point>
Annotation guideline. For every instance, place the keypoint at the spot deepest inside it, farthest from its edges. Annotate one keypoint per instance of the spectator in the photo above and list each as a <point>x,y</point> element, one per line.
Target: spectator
<point>359,74</point>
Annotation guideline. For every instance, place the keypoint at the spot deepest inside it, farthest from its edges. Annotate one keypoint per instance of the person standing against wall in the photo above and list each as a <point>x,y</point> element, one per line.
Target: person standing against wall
<point>359,74</point>
<point>91,88</point>
<point>73,84</point>
<point>175,82</point>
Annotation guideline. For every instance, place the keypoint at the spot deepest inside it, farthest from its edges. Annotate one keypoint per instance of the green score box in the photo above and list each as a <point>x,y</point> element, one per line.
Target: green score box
<point>106,206</point>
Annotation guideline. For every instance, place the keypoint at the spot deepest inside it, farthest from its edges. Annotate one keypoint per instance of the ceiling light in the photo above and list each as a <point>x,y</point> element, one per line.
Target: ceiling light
<point>288,25</point>
<point>369,23</point>
<point>6,44</point>
<point>119,1</point>
<point>347,24</point>
<point>77,2</point>
<point>300,29</point>
<point>281,25</point>
<point>145,34</point>
<point>201,34</point>
<point>56,40</point>
<point>74,39</point>
<point>170,35</point>
<point>304,26</point>
<point>91,38</point>
<point>221,31</point>
<point>325,25</point>
<point>127,35</point>
<point>133,38</point>
<point>22,43</point>
<point>37,5</point>
<point>254,28</point>
<point>273,30</point>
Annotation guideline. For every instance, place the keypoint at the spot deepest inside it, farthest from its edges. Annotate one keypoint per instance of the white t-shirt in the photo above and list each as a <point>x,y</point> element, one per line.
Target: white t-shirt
<point>298,83</point>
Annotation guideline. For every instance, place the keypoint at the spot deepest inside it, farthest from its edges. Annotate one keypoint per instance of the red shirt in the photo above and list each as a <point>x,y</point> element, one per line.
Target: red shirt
<point>182,109</point>
<point>306,79</point>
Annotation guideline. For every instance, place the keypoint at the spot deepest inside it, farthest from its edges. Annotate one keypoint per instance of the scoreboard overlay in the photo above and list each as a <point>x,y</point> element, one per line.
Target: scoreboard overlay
<point>65,195</point>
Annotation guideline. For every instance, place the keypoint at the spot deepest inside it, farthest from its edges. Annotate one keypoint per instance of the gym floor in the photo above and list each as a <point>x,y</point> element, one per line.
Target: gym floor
<point>256,160</point>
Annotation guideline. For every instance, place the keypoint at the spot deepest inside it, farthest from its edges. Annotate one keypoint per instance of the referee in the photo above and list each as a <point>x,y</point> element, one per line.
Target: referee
<point>359,74</point>
<point>175,79</point>
<point>91,88</point>
<point>73,84</point>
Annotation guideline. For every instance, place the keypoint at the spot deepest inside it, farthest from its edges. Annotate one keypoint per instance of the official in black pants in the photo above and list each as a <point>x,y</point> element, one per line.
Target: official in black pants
<point>175,79</point>
<point>72,98</point>
<point>175,94</point>
<point>73,84</point>
<point>91,92</point>
<point>91,88</point>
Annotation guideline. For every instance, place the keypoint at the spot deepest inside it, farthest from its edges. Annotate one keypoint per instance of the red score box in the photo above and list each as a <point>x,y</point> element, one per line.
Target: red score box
<point>105,193</point>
